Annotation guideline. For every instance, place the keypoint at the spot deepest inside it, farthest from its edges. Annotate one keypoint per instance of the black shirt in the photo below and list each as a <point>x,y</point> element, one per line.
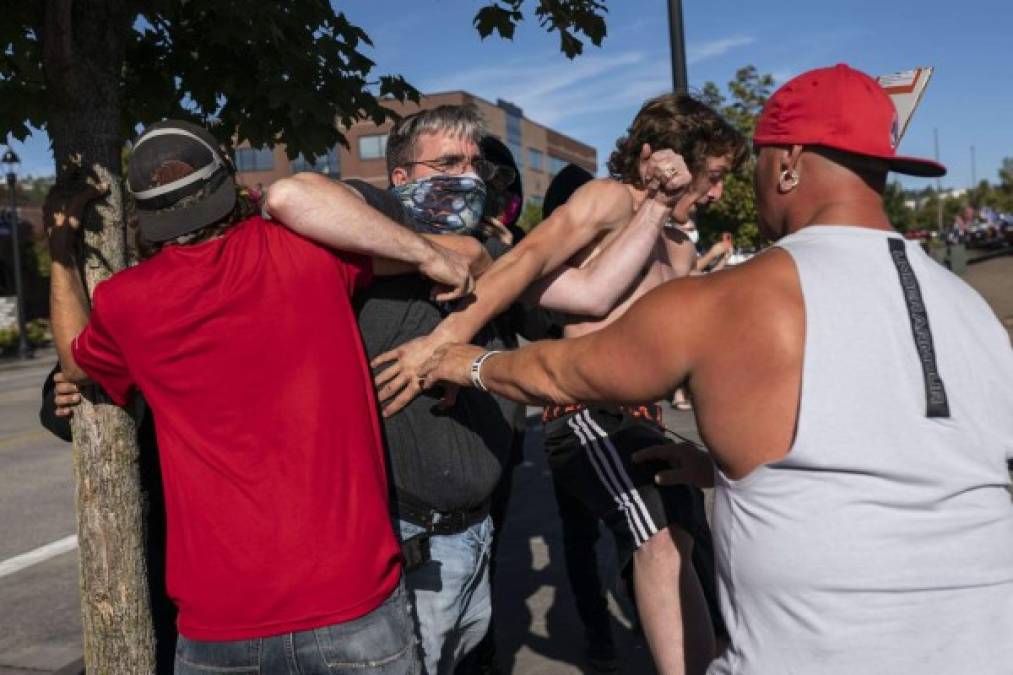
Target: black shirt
<point>448,460</point>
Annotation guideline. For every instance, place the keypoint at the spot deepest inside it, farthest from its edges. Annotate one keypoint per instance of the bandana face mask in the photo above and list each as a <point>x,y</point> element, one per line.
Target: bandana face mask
<point>444,204</point>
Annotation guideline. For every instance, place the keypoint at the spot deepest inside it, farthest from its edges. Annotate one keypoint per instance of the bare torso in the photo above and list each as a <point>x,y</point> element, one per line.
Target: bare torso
<point>673,256</point>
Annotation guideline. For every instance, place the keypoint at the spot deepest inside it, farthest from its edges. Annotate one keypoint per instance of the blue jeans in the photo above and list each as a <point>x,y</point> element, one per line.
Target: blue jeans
<point>379,643</point>
<point>450,595</point>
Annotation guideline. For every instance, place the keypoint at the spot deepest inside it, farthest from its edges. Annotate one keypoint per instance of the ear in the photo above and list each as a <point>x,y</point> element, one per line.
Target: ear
<point>398,176</point>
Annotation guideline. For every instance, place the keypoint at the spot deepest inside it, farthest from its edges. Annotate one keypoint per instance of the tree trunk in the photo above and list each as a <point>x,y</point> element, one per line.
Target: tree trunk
<point>83,42</point>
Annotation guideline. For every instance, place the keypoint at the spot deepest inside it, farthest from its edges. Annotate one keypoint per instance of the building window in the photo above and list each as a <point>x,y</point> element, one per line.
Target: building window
<point>556,165</point>
<point>254,159</point>
<point>513,125</point>
<point>518,152</point>
<point>535,159</point>
<point>514,137</point>
<point>373,147</point>
<point>329,164</point>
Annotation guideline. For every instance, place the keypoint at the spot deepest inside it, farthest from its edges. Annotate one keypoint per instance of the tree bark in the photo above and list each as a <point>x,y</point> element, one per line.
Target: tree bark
<point>83,51</point>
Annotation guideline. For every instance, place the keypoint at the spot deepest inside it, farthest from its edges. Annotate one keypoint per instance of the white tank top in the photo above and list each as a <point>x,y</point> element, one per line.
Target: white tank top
<point>883,542</point>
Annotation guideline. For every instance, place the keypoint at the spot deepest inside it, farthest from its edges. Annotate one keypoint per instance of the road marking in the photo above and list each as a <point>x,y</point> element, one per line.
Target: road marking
<point>24,436</point>
<point>41,554</point>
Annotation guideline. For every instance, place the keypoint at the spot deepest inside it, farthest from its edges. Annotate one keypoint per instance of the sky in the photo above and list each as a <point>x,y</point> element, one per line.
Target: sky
<point>594,97</point>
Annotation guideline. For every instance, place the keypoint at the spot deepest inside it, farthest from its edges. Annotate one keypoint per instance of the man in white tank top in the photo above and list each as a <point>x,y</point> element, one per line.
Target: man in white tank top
<point>856,399</point>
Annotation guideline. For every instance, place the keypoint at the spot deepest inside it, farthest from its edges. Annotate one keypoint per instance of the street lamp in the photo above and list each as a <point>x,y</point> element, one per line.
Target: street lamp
<point>10,161</point>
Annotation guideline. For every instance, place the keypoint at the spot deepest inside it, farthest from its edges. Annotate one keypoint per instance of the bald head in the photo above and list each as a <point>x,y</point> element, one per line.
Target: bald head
<point>797,186</point>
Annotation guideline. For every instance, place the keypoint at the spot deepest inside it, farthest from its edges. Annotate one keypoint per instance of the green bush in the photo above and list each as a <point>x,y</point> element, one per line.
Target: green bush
<point>37,331</point>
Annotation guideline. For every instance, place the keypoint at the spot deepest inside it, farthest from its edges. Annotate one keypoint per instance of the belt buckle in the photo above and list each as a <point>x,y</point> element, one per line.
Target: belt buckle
<point>447,523</point>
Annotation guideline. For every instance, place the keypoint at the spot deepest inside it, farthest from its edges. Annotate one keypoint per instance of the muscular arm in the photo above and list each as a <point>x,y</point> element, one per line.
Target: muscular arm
<point>593,290</point>
<point>640,357</point>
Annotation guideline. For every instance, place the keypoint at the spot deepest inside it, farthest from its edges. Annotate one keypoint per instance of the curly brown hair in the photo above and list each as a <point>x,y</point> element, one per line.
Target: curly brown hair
<point>682,124</point>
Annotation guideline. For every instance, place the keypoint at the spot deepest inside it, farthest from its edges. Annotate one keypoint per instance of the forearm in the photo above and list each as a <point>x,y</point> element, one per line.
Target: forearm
<point>594,289</point>
<point>537,374</point>
<point>335,215</point>
<point>640,357</point>
<point>704,261</point>
<point>68,310</point>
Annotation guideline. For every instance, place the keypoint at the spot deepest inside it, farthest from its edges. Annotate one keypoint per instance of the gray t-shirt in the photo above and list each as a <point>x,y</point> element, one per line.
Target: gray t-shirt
<point>448,459</point>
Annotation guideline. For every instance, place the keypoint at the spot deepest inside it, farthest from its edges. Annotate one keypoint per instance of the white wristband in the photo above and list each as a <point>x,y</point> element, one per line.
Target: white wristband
<point>476,370</point>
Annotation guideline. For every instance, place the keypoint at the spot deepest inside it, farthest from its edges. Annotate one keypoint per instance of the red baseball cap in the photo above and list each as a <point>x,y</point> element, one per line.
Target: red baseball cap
<point>840,108</point>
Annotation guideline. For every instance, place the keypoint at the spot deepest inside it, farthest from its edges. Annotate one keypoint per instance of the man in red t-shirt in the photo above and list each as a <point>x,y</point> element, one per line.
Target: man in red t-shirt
<point>240,334</point>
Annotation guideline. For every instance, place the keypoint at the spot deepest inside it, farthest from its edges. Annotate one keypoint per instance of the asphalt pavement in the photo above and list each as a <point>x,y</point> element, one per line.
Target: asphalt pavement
<point>40,626</point>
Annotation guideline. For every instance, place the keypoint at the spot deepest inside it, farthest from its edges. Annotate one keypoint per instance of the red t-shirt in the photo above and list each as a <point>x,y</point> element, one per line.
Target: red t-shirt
<point>247,350</point>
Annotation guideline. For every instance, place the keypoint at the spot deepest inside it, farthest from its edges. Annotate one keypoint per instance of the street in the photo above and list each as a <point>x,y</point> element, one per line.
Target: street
<point>40,628</point>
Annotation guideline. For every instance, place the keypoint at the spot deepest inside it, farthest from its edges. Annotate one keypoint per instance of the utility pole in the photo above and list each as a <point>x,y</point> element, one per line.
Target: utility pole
<point>939,187</point>
<point>974,170</point>
<point>677,40</point>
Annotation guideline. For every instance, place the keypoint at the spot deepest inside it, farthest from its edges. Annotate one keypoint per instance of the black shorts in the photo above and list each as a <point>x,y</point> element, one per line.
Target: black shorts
<point>590,452</point>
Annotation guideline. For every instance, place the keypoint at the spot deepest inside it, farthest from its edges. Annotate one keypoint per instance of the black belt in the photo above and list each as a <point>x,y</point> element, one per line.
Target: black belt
<point>440,522</point>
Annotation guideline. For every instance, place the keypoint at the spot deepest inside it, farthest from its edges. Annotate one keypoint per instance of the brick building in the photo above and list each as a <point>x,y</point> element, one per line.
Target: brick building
<point>540,152</point>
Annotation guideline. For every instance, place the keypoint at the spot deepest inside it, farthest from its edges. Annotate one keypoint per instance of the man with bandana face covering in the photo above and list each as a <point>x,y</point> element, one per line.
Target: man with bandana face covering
<point>445,462</point>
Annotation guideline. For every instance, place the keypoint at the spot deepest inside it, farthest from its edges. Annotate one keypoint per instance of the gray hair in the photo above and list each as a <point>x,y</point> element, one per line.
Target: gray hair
<point>457,121</point>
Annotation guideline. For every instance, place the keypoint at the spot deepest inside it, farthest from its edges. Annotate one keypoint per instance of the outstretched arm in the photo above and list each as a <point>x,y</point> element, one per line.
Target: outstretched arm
<point>640,357</point>
<point>335,215</point>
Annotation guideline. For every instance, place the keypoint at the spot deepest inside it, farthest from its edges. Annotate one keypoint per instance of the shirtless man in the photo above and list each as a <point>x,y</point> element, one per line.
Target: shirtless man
<point>862,514</point>
<point>622,215</point>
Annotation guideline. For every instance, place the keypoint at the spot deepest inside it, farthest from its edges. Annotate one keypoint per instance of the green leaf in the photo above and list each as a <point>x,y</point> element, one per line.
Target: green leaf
<point>494,18</point>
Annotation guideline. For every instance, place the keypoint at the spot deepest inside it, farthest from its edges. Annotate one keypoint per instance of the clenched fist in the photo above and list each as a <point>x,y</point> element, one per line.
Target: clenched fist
<point>664,173</point>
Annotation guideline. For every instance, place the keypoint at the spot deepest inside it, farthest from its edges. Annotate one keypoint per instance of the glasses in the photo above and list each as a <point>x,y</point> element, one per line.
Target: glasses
<point>454,165</point>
